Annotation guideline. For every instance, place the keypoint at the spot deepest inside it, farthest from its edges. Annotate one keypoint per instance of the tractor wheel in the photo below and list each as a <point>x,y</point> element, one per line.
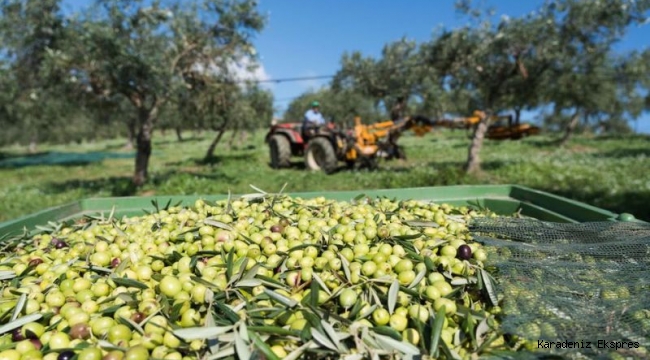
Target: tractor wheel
<point>280,152</point>
<point>320,155</point>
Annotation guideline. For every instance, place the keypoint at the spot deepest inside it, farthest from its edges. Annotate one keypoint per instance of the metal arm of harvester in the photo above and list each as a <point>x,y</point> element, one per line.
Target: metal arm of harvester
<point>418,124</point>
<point>470,121</point>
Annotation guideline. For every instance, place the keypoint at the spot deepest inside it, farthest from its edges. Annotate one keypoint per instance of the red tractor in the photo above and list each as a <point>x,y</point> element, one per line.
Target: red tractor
<point>328,145</point>
<point>286,140</point>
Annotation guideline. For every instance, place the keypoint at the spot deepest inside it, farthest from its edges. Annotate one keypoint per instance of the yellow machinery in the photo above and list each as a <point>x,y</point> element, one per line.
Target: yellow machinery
<point>381,138</point>
<point>323,147</point>
<point>501,127</point>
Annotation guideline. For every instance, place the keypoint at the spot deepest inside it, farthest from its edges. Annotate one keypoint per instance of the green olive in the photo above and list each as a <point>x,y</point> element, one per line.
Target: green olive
<point>398,322</point>
<point>347,298</point>
<point>170,286</point>
<point>381,316</point>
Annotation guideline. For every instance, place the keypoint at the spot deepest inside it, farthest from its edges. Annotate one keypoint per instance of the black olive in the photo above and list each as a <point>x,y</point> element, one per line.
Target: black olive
<point>66,355</point>
<point>276,228</point>
<point>60,245</point>
<point>464,252</point>
<point>35,262</point>
<point>17,335</point>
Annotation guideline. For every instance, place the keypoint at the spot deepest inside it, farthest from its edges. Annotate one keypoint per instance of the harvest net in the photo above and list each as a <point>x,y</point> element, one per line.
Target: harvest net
<point>575,290</point>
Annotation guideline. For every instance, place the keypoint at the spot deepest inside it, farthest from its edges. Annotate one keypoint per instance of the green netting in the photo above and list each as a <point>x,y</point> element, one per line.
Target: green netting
<point>579,289</point>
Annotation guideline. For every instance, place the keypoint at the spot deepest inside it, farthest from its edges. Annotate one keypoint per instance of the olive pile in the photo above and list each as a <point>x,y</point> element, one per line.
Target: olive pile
<point>267,275</point>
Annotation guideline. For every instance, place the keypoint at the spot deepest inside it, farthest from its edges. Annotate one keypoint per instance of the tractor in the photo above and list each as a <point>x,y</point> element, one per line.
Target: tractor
<point>322,148</point>
<point>502,127</point>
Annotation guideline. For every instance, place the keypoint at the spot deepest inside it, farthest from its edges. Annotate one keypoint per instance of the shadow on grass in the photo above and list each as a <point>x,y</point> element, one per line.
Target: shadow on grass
<point>187,140</point>
<point>123,185</point>
<point>622,153</point>
<point>624,137</point>
<point>115,186</point>
<point>485,165</point>
<point>224,157</point>
<point>59,158</point>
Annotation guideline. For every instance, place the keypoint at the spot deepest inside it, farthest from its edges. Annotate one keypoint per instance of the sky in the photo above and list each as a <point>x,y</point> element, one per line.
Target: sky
<point>305,38</point>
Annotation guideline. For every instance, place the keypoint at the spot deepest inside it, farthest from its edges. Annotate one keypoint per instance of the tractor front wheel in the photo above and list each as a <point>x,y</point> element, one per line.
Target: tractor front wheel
<point>320,155</point>
<point>280,152</point>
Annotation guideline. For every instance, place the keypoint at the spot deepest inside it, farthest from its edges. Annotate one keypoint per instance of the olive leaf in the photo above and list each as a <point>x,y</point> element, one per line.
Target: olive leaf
<point>240,266</point>
<point>392,296</point>
<point>248,283</point>
<point>131,324</point>
<point>19,322</point>
<point>391,344</point>
<point>19,306</point>
<point>232,316</point>
<point>418,278</point>
<point>431,224</point>
<point>243,351</point>
<point>228,203</point>
<point>108,346</point>
<point>252,272</point>
<point>273,330</point>
<point>322,284</point>
<point>322,339</point>
<point>286,301</point>
<point>436,330</point>
<point>388,331</point>
<point>223,353</point>
<point>207,284</point>
<point>258,189</point>
<point>201,333</point>
<point>219,224</point>
<point>489,286</point>
<point>297,353</point>
<point>263,347</point>
<point>129,283</point>
<point>429,264</point>
<point>459,281</point>
<point>331,333</point>
<point>346,267</point>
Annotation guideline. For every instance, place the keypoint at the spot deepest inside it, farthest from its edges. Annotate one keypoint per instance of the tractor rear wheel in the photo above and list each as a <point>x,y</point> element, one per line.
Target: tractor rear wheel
<point>320,155</point>
<point>280,152</point>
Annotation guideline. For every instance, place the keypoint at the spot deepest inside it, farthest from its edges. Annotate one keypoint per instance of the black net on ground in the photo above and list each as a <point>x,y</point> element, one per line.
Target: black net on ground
<point>574,290</point>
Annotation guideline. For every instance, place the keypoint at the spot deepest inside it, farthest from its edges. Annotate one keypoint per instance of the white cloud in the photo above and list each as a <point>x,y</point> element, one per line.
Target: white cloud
<point>242,69</point>
<point>246,69</point>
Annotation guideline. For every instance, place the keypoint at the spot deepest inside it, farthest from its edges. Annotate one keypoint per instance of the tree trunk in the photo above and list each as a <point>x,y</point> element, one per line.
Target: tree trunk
<point>210,153</point>
<point>131,134</point>
<point>473,160</point>
<point>146,122</point>
<point>179,133</point>
<point>33,144</point>
<point>575,119</point>
<point>517,115</point>
<point>243,138</point>
<point>231,142</point>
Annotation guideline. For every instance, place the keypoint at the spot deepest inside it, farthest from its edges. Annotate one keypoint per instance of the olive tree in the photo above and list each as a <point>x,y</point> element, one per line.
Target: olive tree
<point>488,66</point>
<point>391,80</point>
<point>339,107</point>
<point>587,77</point>
<point>29,30</point>
<point>142,51</point>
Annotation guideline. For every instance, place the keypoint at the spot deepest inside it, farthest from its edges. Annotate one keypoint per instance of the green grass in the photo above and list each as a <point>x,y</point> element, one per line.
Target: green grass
<point>608,172</point>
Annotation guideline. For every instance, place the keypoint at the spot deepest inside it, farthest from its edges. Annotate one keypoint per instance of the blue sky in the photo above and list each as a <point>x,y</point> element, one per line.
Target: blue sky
<point>307,37</point>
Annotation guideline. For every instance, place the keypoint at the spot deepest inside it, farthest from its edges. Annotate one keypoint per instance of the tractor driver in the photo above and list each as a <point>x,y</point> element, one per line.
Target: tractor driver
<point>313,119</point>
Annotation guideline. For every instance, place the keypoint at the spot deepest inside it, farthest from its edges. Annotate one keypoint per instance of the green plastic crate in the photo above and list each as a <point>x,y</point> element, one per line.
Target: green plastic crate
<point>502,199</point>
